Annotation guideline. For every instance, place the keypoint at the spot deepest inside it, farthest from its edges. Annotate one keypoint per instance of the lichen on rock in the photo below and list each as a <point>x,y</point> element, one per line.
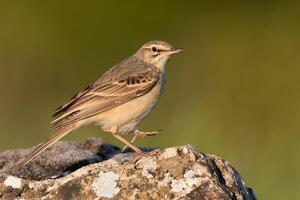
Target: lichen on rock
<point>93,170</point>
<point>105,185</point>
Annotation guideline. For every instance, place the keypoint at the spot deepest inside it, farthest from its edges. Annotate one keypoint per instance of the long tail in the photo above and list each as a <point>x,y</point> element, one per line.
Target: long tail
<point>44,145</point>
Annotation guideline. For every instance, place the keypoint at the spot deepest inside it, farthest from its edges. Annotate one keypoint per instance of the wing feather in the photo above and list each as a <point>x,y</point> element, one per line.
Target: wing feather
<point>99,97</point>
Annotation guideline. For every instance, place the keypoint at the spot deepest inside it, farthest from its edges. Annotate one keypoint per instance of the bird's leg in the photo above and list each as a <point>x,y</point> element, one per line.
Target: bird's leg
<point>138,133</point>
<point>131,141</point>
<point>119,137</point>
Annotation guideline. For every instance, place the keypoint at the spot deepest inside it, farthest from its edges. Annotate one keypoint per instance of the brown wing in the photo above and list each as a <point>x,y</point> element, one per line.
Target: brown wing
<point>98,98</point>
<point>63,108</point>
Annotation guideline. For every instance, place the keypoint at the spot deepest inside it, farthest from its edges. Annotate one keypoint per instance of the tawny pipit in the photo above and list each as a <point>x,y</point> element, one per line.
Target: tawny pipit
<point>118,100</point>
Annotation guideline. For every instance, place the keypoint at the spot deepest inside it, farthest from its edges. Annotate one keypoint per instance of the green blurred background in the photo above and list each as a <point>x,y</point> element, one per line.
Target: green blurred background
<point>234,92</point>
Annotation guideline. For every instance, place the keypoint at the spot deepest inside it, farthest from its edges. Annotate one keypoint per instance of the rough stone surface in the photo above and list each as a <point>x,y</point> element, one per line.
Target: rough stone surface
<point>93,170</point>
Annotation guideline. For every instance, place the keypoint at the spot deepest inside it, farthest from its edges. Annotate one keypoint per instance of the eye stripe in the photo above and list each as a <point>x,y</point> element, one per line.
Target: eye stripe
<point>157,50</point>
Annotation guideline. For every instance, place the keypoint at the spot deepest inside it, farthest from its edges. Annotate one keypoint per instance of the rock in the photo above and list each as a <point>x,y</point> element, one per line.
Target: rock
<point>93,170</point>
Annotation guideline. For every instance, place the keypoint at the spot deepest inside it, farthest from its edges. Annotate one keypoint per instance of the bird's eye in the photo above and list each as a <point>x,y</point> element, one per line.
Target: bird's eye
<point>154,49</point>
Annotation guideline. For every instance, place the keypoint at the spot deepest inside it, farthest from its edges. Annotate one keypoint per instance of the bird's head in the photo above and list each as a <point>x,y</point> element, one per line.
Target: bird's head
<point>156,52</point>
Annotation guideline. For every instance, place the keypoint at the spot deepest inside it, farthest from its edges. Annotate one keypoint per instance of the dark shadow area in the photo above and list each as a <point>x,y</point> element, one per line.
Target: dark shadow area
<point>62,158</point>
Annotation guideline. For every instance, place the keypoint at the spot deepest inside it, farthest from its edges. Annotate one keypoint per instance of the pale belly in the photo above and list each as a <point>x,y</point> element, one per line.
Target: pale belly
<point>127,116</point>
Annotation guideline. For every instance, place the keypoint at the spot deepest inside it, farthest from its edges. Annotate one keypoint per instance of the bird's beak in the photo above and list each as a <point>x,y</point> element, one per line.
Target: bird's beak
<point>175,50</point>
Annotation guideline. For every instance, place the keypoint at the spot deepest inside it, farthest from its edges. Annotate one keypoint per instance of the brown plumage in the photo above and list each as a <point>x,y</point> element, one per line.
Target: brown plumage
<point>107,95</point>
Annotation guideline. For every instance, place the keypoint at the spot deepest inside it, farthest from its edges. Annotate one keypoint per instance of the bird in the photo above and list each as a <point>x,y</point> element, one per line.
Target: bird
<point>117,101</point>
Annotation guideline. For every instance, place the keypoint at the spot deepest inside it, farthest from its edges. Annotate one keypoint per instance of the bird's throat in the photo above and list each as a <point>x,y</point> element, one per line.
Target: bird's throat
<point>162,63</point>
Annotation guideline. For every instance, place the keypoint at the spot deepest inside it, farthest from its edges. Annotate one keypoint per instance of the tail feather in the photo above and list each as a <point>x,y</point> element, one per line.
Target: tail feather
<point>44,145</point>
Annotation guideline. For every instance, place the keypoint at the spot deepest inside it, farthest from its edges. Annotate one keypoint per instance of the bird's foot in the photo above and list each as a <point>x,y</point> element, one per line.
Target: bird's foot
<point>146,133</point>
<point>153,153</point>
<point>138,133</point>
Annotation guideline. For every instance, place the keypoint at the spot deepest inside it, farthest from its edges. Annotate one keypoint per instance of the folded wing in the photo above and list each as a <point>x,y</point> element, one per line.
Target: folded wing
<point>104,95</point>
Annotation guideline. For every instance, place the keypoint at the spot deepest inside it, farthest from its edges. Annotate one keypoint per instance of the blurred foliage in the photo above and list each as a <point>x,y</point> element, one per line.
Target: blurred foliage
<point>234,92</point>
